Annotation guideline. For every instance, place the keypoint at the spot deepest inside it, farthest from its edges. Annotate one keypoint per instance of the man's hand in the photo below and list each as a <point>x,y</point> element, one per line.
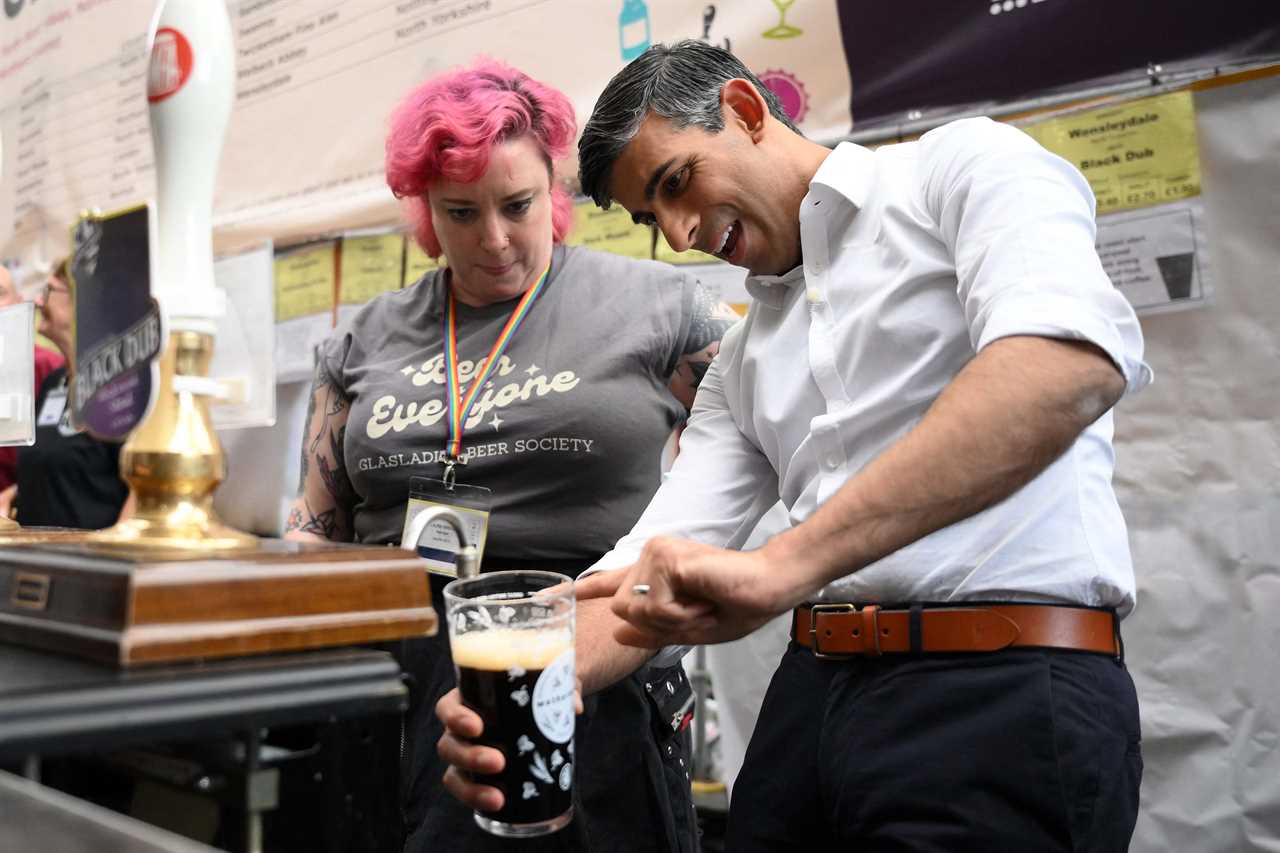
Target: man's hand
<point>697,594</point>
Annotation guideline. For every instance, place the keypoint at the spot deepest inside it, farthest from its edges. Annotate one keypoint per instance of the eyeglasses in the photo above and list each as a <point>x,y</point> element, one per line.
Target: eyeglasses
<point>50,288</point>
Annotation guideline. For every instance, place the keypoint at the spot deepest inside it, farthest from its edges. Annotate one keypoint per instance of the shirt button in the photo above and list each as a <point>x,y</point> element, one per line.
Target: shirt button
<point>813,295</point>
<point>833,462</point>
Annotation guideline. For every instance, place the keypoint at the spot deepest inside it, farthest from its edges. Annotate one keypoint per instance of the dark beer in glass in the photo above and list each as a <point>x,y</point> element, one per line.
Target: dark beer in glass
<point>511,635</point>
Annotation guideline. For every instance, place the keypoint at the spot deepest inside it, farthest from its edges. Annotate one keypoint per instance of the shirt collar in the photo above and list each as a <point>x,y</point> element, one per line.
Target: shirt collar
<point>771,290</point>
<point>847,170</point>
<point>845,173</point>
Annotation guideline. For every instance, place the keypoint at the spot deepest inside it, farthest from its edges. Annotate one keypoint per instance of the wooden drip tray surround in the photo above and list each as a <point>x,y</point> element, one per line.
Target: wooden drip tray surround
<point>127,607</point>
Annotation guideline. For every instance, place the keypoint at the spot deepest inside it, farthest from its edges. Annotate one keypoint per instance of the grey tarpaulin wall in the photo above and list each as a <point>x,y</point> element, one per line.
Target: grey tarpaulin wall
<point>1198,476</point>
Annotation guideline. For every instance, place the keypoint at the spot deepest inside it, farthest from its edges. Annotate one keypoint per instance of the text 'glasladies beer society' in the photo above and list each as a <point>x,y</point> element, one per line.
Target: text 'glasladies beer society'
<point>511,635</point>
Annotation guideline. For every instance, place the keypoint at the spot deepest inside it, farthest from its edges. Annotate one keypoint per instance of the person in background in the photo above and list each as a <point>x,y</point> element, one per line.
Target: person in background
<point>45,361</point>
<point>925,378</point>
<point>567,430</point>
<point>67,478</point>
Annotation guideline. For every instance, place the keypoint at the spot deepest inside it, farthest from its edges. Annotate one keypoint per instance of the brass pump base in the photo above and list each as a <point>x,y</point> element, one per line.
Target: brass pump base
<point>173,461</point>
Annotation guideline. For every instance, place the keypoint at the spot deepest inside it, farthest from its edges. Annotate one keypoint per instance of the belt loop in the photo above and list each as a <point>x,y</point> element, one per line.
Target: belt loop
<point>871,630</point>
<point>1115,628</point>
<point>916,628</point>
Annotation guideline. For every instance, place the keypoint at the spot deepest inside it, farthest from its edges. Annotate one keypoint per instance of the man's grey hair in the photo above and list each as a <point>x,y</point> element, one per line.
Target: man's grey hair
<point>679,82</point>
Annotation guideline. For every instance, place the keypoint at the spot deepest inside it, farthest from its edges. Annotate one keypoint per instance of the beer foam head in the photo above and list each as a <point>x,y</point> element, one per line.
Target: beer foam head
<point>500,649</point>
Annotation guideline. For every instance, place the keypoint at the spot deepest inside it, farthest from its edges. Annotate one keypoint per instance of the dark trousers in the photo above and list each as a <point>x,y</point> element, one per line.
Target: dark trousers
<point>1021,750</point>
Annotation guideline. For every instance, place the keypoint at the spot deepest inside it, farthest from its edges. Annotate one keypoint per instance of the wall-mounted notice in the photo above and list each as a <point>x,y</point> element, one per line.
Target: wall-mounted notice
<point>304,307</point>
<point>609,231</point>
<point>1142,160</point>
<point>245,343</point>
<point>1138,154</point>
<point>417,263</point>
<point>17,374</point>
<point>1156,257</point>
<point>371,264</point>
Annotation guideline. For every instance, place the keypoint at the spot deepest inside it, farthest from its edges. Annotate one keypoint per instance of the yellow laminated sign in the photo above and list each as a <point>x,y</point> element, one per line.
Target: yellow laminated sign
<point>609,231</point>
<point>1138,154</point>
<point>304,282</point>
<point>370,265</point>
<point>417,263</point>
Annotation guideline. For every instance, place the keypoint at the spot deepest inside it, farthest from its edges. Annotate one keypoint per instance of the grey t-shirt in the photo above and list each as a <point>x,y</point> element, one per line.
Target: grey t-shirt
<point>569,430</point>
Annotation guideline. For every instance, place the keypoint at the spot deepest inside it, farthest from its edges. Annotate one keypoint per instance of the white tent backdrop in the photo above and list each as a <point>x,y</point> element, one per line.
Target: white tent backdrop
<point>1198,477</point>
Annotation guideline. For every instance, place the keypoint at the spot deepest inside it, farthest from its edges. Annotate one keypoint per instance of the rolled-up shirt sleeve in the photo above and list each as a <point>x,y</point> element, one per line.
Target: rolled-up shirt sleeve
<point>1019,221</point>
<point>716,491</point>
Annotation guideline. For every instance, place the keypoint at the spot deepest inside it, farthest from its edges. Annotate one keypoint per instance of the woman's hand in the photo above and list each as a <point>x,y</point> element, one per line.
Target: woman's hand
<point>461,727</point>
<point>7,499</point>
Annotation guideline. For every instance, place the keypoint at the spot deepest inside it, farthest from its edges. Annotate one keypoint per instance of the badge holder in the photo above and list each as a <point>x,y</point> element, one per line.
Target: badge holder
<point>438,543</point>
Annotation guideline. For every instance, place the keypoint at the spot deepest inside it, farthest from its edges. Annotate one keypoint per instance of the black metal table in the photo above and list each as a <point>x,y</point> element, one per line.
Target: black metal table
<point>54,705</point>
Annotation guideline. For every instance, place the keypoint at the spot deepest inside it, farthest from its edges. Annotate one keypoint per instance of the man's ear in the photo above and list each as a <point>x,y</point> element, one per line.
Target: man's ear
<point>744,106</point>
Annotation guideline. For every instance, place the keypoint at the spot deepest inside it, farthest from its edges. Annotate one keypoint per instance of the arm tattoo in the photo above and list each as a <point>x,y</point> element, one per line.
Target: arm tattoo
<point>709,323</point>
<point>334,402</point>
<point>335,478</point>
<point>706,327</point>
<point>306,425</point>
<point>325,524</point>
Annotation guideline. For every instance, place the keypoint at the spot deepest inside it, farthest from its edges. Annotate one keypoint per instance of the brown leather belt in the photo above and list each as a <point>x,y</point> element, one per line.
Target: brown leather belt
<point>844,630</point>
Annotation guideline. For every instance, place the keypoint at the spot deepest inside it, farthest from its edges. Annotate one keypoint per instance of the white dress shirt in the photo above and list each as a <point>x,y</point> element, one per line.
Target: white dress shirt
<point>916,256</point>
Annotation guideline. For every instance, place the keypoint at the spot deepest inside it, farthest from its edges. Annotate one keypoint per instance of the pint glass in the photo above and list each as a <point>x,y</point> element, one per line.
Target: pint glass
<point>512,639</point>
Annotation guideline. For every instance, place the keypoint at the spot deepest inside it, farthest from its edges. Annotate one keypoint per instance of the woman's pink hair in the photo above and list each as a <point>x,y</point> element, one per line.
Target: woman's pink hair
<point>446,127</point>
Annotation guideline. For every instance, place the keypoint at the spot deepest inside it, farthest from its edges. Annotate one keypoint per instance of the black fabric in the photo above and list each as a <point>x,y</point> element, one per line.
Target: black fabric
<point>631,785</point>
<point>68,479</point>
<point>1017,750</point>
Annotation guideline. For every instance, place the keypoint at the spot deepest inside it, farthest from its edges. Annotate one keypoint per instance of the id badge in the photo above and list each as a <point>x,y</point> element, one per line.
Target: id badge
<point>438,545</point>
<point>51,410</point>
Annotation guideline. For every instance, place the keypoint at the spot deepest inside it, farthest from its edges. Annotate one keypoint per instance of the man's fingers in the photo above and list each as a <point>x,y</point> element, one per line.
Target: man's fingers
<point>629,635</point>
<point>659,612</point>
<point>598,585</point>
<point>484,798</point>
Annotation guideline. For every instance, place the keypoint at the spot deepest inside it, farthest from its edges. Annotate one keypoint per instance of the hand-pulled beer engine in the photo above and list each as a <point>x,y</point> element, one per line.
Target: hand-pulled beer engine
<point>173,582</point>
<point>173,461</point>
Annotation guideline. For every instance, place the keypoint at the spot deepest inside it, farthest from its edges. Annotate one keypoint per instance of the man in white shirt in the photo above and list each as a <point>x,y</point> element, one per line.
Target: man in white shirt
<point>925,379</point>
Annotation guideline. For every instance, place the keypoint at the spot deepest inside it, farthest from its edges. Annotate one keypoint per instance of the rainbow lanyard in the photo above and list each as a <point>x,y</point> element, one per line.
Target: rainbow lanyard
<point>460,407</point>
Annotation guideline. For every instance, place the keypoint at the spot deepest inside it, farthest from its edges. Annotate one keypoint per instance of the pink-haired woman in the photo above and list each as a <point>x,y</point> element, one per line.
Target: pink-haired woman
<point>566,432</point>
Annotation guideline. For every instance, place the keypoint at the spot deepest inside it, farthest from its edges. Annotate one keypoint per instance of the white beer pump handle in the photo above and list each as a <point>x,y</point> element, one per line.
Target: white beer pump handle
<point>190,89</point>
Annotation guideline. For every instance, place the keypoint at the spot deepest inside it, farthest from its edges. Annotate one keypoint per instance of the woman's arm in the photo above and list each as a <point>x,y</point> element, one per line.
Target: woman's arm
<point>322,510</point>
<point>706,328</point>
